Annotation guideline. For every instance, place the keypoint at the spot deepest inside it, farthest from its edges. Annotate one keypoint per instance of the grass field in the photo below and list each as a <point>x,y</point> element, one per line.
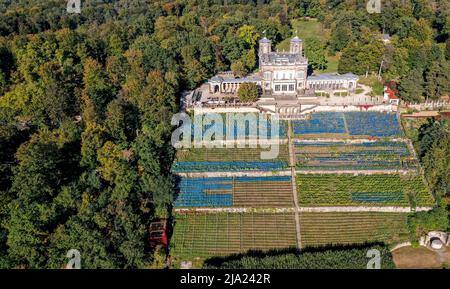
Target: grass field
<point>363,190</point>
<point>319,229</point>
<point>375,83</point>
<point>221,234</point>
<point>305,29</point>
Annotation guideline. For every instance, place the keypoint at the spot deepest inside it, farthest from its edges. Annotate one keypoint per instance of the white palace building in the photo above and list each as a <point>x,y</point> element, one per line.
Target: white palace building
<point>284,74</point>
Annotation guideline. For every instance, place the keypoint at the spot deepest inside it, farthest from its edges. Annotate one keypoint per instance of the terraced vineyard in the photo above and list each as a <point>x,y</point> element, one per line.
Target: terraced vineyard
<point>362,190</point>
<point>232,159</point>
<point>369,155</point>
<point>205,235</point>
<point>319,229</point>
<point>203,229</point>
<point>269,192</point>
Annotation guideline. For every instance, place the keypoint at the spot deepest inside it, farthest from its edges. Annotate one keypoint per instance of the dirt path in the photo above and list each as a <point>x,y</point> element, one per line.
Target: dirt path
<point>361,209</point>
<point>298,210</point>
<point>362,172</point>
<point>294,185</point>
<point>442,255</point>
<point>235,174</point>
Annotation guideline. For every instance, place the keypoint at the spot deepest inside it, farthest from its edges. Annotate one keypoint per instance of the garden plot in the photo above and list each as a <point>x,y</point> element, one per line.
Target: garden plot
<point>237,126</point>
<point>320,229</point>
<point>348,124</point>
<point>379,155</point>
<point>268,192</point>
<point>229,160</point>
<point>207,235</point>
<point>363,190</point>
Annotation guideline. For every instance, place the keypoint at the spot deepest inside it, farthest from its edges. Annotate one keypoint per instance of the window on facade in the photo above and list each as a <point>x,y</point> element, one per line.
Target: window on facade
<point>291,87</point>
<point>300,74</point>
<point>277,87</point>
<point>267,75</point>
<point>284,87</point>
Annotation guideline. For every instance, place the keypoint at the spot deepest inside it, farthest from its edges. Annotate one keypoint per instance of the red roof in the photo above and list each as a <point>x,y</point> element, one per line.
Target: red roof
<point>391,93</point>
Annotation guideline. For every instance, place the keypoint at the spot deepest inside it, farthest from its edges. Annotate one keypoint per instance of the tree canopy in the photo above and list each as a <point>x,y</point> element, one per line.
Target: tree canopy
<point>248,92</point>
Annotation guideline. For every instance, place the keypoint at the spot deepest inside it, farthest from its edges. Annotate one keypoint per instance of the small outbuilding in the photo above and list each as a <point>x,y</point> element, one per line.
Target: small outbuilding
<point>158,232</point>
<point>389,95</point>
<point>435,240</point>
<point>436,244</point>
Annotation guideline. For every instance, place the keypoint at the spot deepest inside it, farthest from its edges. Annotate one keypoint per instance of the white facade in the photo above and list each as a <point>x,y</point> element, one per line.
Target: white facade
<point>283,73</point>
<point>333,82</point>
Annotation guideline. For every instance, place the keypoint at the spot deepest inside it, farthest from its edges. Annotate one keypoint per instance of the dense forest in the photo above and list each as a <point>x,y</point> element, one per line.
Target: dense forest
<point>432,142</point>
<point>86,101</point>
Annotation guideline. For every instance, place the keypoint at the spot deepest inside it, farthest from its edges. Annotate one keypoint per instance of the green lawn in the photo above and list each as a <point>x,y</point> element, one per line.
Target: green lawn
<point>311,29</point>
<point>374,82</point>
<point>333,63</point>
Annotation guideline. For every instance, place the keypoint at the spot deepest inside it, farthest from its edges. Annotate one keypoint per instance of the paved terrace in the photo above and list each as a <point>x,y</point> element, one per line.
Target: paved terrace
<point>201,97</point>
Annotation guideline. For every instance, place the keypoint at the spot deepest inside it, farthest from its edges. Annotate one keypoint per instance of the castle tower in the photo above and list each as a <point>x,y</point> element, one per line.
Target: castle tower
<point>265,46</point>
<point>296,46</point>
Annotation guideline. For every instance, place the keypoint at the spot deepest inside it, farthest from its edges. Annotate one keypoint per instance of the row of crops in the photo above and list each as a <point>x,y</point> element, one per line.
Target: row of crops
<point>373,124</point>
<point>221,234</point>
<point>254,125</point>
<point>362,190</point>
<point>230,154</point>
<point>268,191</point>
<point>320,229</point>
<point>237,126</point>
<point>373,155</point>
<point>231,159</point>
<point>321,123</point>
<point>187,167</point>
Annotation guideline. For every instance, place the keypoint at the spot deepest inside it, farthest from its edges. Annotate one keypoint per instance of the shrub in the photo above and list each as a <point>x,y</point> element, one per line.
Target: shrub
<point>421,223</point>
